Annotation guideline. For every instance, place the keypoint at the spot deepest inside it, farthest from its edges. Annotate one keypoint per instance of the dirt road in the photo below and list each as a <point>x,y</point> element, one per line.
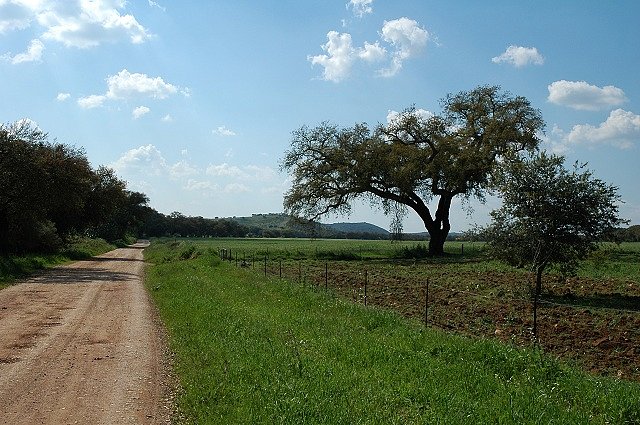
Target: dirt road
<point>81,344</point>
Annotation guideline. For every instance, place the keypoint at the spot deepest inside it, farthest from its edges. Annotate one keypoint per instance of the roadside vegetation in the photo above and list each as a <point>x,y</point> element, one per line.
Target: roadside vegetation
<point>18,266</point>
<point>250,349</point>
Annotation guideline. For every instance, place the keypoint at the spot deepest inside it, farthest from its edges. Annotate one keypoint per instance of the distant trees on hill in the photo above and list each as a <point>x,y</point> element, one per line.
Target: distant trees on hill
<point>49,193</point>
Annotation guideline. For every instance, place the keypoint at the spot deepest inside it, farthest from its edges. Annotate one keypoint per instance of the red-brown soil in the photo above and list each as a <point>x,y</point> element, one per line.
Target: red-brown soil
<point>592,323</point>
<point>81,344</point>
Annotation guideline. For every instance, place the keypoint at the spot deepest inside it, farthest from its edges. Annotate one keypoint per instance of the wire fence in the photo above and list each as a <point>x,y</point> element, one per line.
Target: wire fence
<point>506,315</point>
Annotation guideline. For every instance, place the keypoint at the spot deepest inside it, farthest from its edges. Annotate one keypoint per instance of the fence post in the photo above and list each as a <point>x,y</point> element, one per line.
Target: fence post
<point>236,258</point>
<point>365,286</point>
<point>300,271</point>
<point>265,266</point>
<point>426,305</point>
<point>326,275</point>
<point>280,268</point>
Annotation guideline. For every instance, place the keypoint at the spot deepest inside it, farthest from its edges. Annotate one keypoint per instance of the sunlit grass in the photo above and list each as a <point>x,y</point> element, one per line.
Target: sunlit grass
<point>255,350</point>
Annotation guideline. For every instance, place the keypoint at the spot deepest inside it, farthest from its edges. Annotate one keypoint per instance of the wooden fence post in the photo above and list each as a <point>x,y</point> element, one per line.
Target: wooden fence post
<point>365,286</point>
<point>326,275</point>
<point>426,305</point>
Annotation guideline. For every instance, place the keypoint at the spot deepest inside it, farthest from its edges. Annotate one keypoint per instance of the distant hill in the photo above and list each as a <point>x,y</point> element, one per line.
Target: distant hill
<point>361,227</point>
<point>282,225</point>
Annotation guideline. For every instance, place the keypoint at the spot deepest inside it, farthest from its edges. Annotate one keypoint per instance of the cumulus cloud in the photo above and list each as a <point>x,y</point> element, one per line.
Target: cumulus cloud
<point>583,96</point>
<point>155,4</point>
<point>182,169</point>
<point>124,85</point>
<point>167,118</point>
<point>420,113</point>
<point>147,159</point>
<point>621,129</point>
<point>88,24</point>
<point>198,185</point>
<point>519,56</point>
<point>80,23</point>
<point>339,57</point>
<point>224,169</point>
<point>140,111</point>
<point>92,101</point>
<point>33,53</point>
<point>372,52</point>
<point>224,131</point>
<point>127,85</point>
<point>360,7</point>
<point>14,16</point>
<point>61,97</point>
<point>405,39</point>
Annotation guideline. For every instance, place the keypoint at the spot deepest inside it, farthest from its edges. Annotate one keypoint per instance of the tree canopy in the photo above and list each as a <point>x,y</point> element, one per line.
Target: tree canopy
<point>412,160</point>
<point>551,216</point>
<point>49,192</point>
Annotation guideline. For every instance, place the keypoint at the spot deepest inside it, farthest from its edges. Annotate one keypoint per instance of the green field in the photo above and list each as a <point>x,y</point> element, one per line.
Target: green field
<point>250,349</point>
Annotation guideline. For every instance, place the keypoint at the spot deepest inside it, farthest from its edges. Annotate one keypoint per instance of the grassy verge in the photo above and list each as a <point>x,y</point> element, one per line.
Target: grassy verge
<point>250,350</point>
<point>15,267</point>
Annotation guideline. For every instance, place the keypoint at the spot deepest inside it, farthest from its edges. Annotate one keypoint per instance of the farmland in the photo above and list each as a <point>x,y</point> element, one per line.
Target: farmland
<point>592,319</point>
<point>279,332</point>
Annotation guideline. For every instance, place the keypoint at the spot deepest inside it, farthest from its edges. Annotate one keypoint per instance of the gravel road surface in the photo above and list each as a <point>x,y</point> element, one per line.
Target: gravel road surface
<point>81,344</point>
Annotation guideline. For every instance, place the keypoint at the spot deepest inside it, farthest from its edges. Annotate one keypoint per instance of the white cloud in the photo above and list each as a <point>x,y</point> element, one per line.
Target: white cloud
<point>339,59</point>
<point>14,16</point>
<point>224,169</point>
<point>360,7</point>
<point>63,96</point>
<point>420,113</point>
<point>224,131</point>
<point>140,111</point>
<point>405,34</point>
<point>195,185</point>
<point>182,169</point>
<point>92,101</point>
<point>33,53</point>
<point>584,96</point>
<point>167,118</point>
<point>372,52</point>
<point>260,173</point>
<point>621,130</point>
<point>236,188</point>
<point>519,56</point>
<point>146,159</point>
<point>125,85</point>
<point>155,4</point>
<point>407,38</point>
<point>86,24</point>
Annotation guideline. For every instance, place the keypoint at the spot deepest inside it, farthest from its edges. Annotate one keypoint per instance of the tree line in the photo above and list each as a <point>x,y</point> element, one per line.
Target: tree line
<point>50,194</point>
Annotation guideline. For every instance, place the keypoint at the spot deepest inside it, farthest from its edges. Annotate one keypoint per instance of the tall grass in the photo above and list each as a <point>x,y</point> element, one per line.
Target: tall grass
<point>255,350</point>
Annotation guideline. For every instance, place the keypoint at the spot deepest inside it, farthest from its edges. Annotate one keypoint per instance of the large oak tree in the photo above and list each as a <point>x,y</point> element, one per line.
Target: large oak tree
<point>412,160</point>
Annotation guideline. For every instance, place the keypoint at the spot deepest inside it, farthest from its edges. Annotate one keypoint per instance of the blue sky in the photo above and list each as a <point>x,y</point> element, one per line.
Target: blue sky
<point>194,102</point>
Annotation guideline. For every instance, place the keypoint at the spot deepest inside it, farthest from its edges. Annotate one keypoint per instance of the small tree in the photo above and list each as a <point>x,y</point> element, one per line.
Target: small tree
<point>412,160</point>
<point>550,216</point>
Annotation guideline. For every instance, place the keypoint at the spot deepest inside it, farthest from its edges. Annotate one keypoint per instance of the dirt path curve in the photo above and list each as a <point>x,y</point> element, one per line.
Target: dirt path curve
<point>80,344</point>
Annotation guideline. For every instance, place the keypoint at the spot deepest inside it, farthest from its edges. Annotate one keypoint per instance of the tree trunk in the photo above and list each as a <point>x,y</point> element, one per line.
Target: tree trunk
<point>437,238</point>
<point>439,228</point>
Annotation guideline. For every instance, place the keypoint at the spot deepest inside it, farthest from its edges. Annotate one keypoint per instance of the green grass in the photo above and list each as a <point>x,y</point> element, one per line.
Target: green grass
<point>250,350</point>
<point>331,249</point>
<point>15,267</point>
